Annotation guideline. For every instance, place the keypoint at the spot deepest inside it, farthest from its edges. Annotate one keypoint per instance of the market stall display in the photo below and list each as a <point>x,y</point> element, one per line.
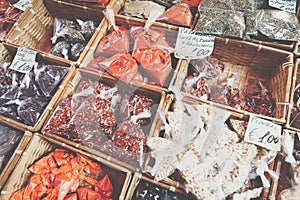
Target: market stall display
<point>106,179</point>
<point>52,22</point>
<point>151,100</point>
<point>134,52</point>
<point>26,96</point>
<point>106,116</point>
<point>8,16</point>
<point>232,78</point>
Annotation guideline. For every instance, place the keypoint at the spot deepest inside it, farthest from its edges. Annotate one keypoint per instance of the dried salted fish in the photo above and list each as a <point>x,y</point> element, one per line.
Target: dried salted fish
<point>221,22</point>
<point>142,9</point>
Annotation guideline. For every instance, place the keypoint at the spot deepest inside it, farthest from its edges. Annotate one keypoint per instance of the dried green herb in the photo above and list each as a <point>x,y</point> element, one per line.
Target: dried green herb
<point>221,22</point>
<point>278,25</point>
<point>239,5</point>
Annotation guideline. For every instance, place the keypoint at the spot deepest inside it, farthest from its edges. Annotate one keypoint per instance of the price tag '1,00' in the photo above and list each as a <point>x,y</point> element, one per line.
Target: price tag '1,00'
<point>263,133</point>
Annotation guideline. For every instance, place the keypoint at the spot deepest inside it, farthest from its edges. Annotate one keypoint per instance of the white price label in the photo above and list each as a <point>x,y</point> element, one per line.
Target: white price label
<point>192,45</point>
<point>24,60</point>
<point>22,4</point>
<point>263,133</point>
<point>286,5</point>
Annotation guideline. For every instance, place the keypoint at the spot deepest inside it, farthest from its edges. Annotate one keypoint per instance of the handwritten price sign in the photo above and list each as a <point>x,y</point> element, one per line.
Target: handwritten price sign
<point>22,4</point>
<point>286,5</point>
<point>192,45</point>
<point>24,60</point>
<point>263,133</point>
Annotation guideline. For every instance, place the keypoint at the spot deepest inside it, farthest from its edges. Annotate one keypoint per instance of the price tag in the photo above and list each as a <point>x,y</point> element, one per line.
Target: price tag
<point>24,60</point>
<point>263,133</point>
<point>193,45</point>
<point>286,5</point>
<point>22,4</point>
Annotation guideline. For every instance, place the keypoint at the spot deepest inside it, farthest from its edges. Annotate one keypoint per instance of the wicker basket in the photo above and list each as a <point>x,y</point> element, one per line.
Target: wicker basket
<point>291,117</point>
<point>151,129</point>
<point>48,60</point>
<point>284,170</point>
<point>194,11</point>
<point>34,29</point>
<point>175,180</point>
<point>10,165</point>
<point>170,30</point>
<point>141,179</point>
<point>39,146</point>
<point>253,63</point>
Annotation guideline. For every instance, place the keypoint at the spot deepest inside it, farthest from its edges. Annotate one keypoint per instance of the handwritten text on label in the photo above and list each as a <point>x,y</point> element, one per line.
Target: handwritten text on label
<point>192,45</point>
<point>263,133</point>
<point>286,5</point>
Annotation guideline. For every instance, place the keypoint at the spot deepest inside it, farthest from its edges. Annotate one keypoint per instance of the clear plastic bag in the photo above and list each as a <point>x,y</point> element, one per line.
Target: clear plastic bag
<point>278,25</point>
<point>48,77</point>
<point>227,23</point>
<point>238,5</point>
<point>141,9</point>
<point>9,139</point>
<point>179,14</point>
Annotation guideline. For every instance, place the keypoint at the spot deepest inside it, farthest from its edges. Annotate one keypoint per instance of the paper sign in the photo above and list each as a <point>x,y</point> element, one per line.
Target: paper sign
<point>263,133</point>
<point>22,4</point>
<point>286,5</point>
<point>193,45</point>
<point>24,60</point>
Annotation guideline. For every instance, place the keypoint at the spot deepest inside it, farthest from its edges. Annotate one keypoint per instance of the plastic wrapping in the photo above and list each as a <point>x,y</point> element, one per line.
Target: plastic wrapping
<point>170,12</point>
<point>102,117</point>
<point>70,37</point>
<point>204,73</point>
<point>227,94</point>
<point>278,25</point>
<point>72,175</point>
<point>9,138</point>
<point>288,148</point>
<point>213,160</point>
<point>148,60</point>
<point>290,194</point>
<point>8,16</point>
<point>179,14</point>
<point>260,102</point>
<point>147,191</point>
<point>227,23</point>
<point>141,9</point>
<point>239,5</point>
<point>24,97</point>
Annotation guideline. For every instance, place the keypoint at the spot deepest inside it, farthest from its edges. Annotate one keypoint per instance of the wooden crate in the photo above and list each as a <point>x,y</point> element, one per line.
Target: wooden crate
<point>293,114</point>
<point>41,58</point>
<point>149,130</point>
<point>175,182</point>
<point>194,11</point>
<point>142,182</point>
<point>39,146</point>
<point>128,22</point>
<point>35,28</point>
<point>253,63</point>
<point>16,154</point>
